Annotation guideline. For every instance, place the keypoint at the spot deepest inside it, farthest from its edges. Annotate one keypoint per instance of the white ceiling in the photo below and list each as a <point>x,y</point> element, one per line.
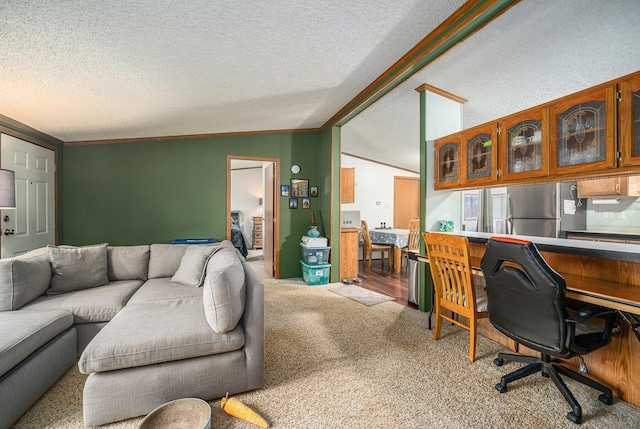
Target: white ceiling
<point>92,69</point>
<point>537,51</point>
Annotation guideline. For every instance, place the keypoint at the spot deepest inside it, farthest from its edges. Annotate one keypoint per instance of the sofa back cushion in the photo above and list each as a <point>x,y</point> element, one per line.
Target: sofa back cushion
<point>24,278</point>
<point>165,259</point>
<point>127,262</point>
<point>193,264</point>
<point>224,289</point>
<point>76,268</point>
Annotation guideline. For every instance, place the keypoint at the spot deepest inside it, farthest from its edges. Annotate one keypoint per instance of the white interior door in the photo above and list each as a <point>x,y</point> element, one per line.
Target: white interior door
<point>32,223</point>
<point>268,229</point>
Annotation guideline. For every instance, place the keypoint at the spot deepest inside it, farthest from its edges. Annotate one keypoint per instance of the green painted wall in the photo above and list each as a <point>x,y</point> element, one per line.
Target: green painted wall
<point>154,192</point>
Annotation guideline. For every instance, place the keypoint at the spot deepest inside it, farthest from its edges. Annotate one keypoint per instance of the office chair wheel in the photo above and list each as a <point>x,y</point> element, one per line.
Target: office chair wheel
<point>501,387</point>
<point>574,417</point>
<point>498,361</point>
<point>605,399</point>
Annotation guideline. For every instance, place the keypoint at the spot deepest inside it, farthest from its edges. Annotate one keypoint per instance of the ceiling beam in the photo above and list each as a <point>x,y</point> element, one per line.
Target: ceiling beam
<point>465,21</point>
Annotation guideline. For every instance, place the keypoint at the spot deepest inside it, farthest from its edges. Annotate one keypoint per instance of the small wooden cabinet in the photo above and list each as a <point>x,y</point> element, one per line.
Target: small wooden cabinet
<point>257,232</point>
<point>582,137</point>
<point>447,162</point>
<point>347,185</point>
<point>523,145</point>
<point>629,121</point>
<point>480,154</point>
<point>610,187</point>
<point>349,248</point>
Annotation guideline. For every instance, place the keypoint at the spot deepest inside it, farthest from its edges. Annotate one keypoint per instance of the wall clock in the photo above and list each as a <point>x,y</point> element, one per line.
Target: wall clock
<point>295,169</point>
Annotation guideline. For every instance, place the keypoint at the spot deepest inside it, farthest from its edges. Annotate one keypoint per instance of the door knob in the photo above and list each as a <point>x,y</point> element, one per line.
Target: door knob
<point>9,232</point>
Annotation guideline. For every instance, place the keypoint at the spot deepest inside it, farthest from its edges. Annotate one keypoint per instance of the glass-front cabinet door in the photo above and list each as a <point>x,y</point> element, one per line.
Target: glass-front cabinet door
<point>479,154</point>
<point>629,120</point>
<point>582,132</point>
<point>523,145</point>
<point>447,162</point>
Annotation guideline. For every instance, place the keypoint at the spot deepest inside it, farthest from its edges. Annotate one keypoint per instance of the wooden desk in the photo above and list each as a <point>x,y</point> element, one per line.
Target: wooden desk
<point>605,274</point>
<point>603,281</point>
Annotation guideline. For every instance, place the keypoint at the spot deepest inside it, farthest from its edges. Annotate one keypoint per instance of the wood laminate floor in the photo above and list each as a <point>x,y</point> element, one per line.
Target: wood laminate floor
<point>374,278</point>
<point>382,280</point>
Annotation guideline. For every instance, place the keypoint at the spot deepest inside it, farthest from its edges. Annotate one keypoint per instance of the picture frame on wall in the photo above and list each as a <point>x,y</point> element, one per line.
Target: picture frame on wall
<point>293,203</point>
<point>284,190</point>
<point>313,191</point>
<point>300,188</point>
<point>306,203</point>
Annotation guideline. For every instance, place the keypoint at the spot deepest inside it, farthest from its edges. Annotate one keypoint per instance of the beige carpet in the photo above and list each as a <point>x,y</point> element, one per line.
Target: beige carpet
<point>334,363</point>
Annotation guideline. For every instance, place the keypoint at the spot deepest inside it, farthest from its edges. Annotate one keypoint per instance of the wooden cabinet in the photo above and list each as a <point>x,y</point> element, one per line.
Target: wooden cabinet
<point>610,187</point>
<point>257,233</point>
<point>629,121</point>
<point>523,145</point>
<point>447,161</point>
<point>349,243</point>
<point>479,154</point>
<point>347,185</point>
<point>582,137</point>
<point>592,132</point>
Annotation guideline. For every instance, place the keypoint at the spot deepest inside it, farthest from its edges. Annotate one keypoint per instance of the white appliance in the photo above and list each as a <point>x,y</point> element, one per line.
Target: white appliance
<point>350,219</point>
<point>314,241</point>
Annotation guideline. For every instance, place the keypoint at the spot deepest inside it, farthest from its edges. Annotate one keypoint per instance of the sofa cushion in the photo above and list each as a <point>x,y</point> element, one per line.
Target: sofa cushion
<point>224,289</point>
<point>163,289</point>
<point>165,259</point>
<point>154,332</point>
<point>23,332</point>
<point>98,304</point>
<point>76,268</point>
<point>192,265</point>
<point>127,262</point>
<point>24,278</point>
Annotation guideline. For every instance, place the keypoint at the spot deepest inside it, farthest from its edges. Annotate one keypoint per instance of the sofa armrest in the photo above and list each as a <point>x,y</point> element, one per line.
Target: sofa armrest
<point>253,324</point>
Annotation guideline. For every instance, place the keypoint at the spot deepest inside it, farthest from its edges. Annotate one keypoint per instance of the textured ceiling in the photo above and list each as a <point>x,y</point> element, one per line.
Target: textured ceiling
<point>92,69</point>
<point>537,51</point>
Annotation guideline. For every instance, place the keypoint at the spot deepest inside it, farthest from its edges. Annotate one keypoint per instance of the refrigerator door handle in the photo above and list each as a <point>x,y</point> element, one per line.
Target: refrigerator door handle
<point>509,224</point>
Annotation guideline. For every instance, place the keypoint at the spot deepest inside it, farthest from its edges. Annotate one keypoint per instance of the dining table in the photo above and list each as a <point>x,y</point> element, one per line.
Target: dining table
<point>397,237</point>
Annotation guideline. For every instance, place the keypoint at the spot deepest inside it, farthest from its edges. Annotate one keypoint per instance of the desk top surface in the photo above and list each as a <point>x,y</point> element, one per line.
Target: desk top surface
<point>596,249</point>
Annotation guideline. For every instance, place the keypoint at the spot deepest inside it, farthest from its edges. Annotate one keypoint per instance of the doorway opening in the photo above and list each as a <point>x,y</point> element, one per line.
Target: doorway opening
<point>253,211</point>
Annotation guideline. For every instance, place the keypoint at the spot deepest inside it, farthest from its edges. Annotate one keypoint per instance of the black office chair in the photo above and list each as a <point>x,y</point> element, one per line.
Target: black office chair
<point>527,304</point>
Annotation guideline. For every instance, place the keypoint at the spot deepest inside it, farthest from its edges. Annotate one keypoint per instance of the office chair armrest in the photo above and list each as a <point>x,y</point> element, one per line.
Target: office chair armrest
<point>589,312</point>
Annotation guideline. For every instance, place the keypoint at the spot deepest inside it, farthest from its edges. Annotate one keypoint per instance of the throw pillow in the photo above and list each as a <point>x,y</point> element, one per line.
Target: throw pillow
<point>192,266</point>
<point>76,268</point>
<point>164,259</point>
<point>224,289</point>
<point>128,262</point>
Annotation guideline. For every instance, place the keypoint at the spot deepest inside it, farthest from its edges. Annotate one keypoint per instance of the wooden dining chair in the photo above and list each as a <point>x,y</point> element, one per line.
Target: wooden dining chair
<point>450,265</point>
<point>369,248</point>
<point>413,244</point>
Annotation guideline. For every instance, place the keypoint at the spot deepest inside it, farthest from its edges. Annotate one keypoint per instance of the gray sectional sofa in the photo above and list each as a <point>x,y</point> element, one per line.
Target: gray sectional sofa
<point>149,324</point>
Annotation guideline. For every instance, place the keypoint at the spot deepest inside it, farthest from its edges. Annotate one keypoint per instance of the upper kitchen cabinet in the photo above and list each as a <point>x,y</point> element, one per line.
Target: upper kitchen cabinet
<point>479,154</point>
<point>629,121</point>
<point>348,185</point>
<point>447,162</point>
<point>523,145</point>
<point>582,132</point>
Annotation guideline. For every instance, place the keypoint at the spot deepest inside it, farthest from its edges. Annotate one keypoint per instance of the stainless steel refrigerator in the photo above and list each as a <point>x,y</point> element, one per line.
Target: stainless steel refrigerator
<point>547,210</point>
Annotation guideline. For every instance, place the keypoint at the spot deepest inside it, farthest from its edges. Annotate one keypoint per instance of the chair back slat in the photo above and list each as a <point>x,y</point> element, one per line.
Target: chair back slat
<point>451,270</point>
<point>414,234</point>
